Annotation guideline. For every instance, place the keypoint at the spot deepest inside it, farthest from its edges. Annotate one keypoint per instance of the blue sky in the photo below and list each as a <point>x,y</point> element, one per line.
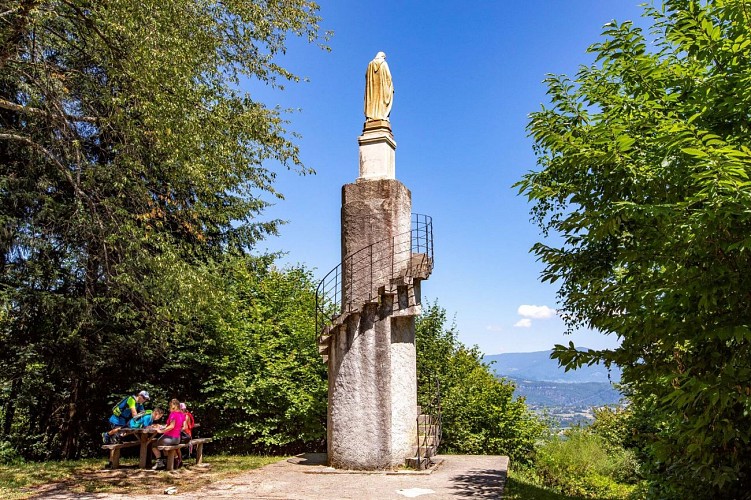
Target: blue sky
<point>466,74</point>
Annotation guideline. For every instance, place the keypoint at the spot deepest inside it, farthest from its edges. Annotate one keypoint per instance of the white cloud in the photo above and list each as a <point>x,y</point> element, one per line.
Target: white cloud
<point>523,323</point>
<point>494,328</point>
<point>535,312</point>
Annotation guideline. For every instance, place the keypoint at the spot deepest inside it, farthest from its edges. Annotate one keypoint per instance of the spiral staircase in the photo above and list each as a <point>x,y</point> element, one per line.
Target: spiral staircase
<point>388,274</point>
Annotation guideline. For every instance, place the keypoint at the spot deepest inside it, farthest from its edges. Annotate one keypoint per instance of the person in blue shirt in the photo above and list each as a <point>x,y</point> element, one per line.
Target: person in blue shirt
<point>129,407</point>
<point>146,419</point>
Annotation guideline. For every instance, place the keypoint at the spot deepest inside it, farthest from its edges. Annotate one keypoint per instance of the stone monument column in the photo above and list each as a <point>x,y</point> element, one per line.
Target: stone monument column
<point>371,359</point>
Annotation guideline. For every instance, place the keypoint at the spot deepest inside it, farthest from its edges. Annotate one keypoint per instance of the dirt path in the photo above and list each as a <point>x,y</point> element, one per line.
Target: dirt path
<point>304,478</point>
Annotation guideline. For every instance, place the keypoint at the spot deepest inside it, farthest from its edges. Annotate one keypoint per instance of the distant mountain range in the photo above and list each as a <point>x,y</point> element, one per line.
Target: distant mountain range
<point>538,366</point>
<point>557,396</point>
<point>566,396</point>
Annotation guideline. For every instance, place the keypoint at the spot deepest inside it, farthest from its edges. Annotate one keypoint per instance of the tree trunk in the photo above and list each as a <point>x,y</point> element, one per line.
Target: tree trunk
<point>69,428</point>
<point>9,412</point>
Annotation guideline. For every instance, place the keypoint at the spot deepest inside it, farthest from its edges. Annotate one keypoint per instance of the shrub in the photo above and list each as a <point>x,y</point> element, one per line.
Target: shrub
<point>480,413</point>
<point>8,454</point>
<point>584,464</point>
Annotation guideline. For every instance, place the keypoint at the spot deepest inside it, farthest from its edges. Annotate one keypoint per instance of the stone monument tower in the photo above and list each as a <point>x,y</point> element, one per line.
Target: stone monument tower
<point>369,338</point>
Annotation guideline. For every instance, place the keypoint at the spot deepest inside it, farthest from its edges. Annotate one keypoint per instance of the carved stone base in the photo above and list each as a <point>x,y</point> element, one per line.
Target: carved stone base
<point>372,411</point>
<point>377,151</point>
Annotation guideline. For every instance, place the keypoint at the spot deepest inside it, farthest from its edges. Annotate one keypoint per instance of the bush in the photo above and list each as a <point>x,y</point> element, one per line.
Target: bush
<point>8,454</point>
<point>480,413</point>
<point>584,464</point>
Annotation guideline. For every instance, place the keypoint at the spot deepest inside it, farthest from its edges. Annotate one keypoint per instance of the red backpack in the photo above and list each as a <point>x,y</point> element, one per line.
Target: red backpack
<point>191,422</point>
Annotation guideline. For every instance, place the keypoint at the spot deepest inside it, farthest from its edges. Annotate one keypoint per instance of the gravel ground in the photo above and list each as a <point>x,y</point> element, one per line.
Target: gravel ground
<point>307,477</point>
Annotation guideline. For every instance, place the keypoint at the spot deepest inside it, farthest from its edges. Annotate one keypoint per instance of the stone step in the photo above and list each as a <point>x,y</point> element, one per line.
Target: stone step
<point>413,309</point>
<point>427,419</point>
<point>401,281</point>
<point>417,463</point>
<point>428,440</point>
<point>420,266</point>
<point>323,343</point>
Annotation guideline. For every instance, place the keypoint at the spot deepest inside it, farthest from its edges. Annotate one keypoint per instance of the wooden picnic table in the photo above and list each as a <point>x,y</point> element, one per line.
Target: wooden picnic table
<point>145,437</point>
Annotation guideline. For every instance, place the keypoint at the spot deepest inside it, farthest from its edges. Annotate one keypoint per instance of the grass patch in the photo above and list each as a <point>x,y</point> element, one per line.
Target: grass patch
<point>22,480</point>
<point>523,484</point>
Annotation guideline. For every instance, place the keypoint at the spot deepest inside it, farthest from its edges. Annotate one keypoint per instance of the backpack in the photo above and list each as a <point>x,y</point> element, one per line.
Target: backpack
<point>118,409</point>
<point>191,422</point>
<point>137,423</point>
<point>122,409</point>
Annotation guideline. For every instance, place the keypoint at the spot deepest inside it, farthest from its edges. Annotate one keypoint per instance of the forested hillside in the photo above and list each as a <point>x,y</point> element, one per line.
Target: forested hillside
<point>560,395</point>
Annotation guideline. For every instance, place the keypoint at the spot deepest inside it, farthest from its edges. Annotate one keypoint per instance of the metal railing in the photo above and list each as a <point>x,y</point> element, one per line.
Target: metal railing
<point>429,428</point>
<point>356,281</point>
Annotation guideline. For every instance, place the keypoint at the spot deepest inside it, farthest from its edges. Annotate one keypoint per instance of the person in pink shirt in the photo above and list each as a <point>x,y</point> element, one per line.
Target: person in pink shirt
<point>171,432</point>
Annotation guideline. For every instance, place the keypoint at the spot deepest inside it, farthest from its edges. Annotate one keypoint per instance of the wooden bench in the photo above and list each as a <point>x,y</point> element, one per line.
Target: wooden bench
<point>114,450</point>
<point>198,443</point>
<point>173,450</point>
<point>171,453</point>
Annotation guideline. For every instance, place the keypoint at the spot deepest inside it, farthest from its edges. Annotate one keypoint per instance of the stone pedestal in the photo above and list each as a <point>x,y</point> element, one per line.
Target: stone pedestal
<point>377,151</point>
<point>372,391</point>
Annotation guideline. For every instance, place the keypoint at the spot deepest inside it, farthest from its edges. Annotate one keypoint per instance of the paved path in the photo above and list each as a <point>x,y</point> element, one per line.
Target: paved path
<point>457,476</point>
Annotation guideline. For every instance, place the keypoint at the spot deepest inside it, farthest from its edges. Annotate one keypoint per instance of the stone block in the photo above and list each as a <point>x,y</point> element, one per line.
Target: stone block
<point>377,151</point>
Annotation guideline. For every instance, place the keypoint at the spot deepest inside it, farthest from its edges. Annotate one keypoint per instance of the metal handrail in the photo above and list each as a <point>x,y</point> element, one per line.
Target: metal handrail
<point>355,281</point>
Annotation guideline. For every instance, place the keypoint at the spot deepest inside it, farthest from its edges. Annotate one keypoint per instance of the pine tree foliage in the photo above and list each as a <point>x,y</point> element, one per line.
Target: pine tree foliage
<point>131,163</point>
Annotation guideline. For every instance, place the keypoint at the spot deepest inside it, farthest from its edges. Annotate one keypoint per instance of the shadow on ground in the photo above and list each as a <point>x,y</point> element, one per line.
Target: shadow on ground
<point>309,459</point>
<point>127,479</point>
<point>483,483</point>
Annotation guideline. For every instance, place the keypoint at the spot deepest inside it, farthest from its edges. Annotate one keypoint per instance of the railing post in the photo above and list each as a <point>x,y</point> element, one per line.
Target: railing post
<point>393,256</point>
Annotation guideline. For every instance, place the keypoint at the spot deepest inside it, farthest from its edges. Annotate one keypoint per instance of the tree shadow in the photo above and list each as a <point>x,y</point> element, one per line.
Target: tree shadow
<point>480,483</point>
<point>128,479</point>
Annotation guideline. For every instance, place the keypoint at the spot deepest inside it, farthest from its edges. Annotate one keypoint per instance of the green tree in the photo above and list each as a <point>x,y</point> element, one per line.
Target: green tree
<point>644,180</point>
<point>479,412</point>
<point>130,163</point>
<point>264,387</point>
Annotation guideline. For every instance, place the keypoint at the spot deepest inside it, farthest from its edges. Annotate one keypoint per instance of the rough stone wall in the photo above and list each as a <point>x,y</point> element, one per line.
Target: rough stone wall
<point>359,430</point>
<point>403,388</point>
<point>373,212</point>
